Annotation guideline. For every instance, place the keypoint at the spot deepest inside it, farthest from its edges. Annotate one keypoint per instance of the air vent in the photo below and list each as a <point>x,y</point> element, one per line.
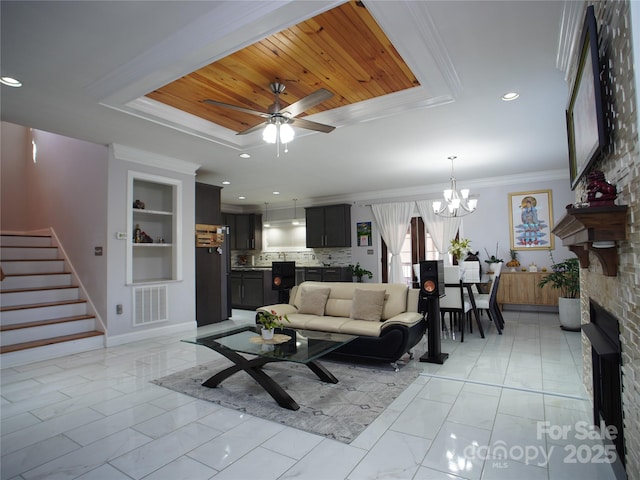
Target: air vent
<point>149,304</point>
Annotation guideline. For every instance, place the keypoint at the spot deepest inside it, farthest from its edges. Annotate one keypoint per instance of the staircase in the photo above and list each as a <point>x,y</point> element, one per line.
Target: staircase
<point>42,312</point>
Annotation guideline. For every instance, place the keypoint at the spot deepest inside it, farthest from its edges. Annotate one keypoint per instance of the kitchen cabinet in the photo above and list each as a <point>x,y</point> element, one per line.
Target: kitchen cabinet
<point>245,231</point>
<point>521,288</point>
<point>327,274</point>
<point>328,226</point>
<point>251,289</point>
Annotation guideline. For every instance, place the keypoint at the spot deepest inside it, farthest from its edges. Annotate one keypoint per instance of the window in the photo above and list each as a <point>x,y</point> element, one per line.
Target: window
<point>417,246</point>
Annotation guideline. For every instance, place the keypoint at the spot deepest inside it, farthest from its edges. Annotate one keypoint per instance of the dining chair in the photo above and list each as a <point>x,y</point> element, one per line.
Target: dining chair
<point>488,302</point>
<point>454,302</point>
<point>470,271</point>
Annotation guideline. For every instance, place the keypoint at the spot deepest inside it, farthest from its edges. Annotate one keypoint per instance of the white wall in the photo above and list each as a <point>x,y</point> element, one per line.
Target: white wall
<point>65,190</point>
<point>79,189</point>
<point>181,301</point>
<point>488,225</point>
<point>369,257</point>
<point>14,160</point>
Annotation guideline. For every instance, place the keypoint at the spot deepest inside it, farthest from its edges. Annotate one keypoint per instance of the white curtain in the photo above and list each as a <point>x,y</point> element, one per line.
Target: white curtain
<point>442,230</point>
<point>393,219</point>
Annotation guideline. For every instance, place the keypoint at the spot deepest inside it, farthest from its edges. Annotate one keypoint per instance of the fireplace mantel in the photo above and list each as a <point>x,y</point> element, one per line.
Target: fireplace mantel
<point>594,229</point>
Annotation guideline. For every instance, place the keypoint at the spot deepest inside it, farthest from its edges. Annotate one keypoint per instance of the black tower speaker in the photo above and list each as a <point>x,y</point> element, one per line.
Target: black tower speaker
<point>431,289</point>
<point>283,275</point>
<point>432,278</point>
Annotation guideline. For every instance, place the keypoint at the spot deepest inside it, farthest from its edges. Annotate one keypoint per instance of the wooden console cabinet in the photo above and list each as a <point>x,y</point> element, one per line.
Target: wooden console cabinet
<point>521,288</point>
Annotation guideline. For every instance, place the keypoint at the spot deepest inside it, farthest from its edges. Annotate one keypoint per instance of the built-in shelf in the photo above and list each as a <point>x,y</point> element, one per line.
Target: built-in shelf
<point>595,230</point>
<point>159,222</point>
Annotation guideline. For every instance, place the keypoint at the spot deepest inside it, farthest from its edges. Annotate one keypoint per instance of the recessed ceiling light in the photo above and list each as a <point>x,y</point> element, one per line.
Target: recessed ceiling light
<point>10,82</point>
<point>276,193</point>
<point>226,182</point>
<point>241,197</point>
<point>245,155</point>
<point>507,97</point>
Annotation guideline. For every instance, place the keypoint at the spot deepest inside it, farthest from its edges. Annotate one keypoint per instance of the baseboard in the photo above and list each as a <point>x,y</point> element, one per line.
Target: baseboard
<point>115,340</point>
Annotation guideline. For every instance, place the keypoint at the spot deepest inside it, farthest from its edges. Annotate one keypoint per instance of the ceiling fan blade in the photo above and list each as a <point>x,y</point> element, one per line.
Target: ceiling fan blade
<point>235,107</point>
<point>307,102</point>
<point>309,125</point>
<point>252,129</point>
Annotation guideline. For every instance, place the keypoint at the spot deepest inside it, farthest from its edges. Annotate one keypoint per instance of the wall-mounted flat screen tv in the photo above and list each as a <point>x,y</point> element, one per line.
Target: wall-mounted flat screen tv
<point>585,115</point>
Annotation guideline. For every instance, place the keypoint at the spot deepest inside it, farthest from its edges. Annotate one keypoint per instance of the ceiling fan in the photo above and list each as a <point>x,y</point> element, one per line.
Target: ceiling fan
<point>278,116</point>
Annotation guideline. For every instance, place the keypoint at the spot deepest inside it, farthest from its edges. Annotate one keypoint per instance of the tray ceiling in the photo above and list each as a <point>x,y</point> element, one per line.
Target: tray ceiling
<point>343,50</point>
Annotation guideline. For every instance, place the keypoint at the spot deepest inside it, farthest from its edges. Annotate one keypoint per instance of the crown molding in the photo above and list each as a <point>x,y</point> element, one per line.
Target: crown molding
<point>130,154</point>
<point>426,192</point>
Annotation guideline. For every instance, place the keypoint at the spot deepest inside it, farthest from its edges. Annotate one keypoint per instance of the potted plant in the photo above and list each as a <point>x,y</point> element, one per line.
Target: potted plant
<point>493,260</point>
<point>270,321</point>
<point>358,272</point>
<point>458,248</point>
<point>566,277</point>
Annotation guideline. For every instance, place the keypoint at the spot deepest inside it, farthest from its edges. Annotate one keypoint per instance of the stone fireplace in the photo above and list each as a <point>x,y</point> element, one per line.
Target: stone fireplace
<point>603,334</point>
<point>618,296</point>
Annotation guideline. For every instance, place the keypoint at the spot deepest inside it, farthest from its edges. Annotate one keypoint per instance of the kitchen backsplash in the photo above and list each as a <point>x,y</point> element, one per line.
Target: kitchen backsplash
<point>334,257</point>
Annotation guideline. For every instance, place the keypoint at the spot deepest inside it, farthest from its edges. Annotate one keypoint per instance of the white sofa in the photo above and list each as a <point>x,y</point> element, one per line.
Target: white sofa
<point>384,316</point>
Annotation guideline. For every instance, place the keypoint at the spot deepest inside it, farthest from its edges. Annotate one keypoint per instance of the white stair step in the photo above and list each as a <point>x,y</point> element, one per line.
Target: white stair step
<point>21,354</point>
<point>45,311</point>
<point>12,282</point>
<point>40,295</point>
<point>25,240</point>
<point>42,330</point>
<point>28,253</point>
<point>11,267</point>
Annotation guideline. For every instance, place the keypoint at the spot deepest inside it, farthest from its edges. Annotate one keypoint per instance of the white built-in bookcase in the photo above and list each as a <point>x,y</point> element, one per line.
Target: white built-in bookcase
<point>161,260</point>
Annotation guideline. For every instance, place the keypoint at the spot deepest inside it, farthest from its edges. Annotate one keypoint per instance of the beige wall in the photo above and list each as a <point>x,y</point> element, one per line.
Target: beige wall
<point>13,165</point>
<point>66,190</point>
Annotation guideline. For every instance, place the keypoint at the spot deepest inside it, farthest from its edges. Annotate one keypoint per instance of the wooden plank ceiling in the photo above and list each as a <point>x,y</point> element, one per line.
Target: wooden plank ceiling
<point>343,50</point>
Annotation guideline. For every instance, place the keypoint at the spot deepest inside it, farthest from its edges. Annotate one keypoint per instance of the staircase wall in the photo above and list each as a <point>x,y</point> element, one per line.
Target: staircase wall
<point>67,190</point>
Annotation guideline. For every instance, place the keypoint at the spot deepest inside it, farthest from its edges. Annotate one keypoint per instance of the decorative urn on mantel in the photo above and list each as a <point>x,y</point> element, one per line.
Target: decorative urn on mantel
<point>596,225</point>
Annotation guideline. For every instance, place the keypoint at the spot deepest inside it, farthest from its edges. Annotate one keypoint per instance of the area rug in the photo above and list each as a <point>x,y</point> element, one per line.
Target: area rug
<point>339,411</point>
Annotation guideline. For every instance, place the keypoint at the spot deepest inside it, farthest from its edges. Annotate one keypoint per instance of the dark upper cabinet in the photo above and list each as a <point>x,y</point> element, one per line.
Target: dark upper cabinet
<point>328,226</point>
<point>245,230</point>
<point>208,204</point>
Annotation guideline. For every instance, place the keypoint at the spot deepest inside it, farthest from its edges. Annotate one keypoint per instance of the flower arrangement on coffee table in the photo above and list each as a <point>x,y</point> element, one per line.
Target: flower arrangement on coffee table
<point>270,321</point>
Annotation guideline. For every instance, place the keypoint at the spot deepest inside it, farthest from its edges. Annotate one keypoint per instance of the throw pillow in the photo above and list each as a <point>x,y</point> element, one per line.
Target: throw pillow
<point>367,304</point>
<point>313,300</point>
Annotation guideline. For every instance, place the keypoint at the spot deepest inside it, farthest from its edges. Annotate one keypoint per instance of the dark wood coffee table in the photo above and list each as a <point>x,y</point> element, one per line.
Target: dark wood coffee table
<point>304,346</point>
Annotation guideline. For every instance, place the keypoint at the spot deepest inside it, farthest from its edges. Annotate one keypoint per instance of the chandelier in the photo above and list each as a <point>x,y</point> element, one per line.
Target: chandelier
<point>456,204</point>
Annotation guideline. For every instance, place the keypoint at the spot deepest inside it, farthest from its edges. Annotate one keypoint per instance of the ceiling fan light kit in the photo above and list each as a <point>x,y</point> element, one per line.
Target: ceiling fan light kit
<point>456,204</point>
<point>278,121</point>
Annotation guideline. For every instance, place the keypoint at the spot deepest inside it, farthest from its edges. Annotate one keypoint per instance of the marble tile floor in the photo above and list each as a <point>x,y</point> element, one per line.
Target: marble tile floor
<point>494,410</point>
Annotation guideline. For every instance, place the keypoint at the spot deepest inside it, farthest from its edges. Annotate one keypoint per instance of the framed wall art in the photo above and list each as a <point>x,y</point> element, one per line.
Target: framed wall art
<point>531,220</point>
<point>585,115</point>
<point>364,234</point>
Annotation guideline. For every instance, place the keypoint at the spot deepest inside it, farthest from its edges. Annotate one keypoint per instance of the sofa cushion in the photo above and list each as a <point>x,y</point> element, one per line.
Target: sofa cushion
<point>341,297</point>
<point>367,304</point>
<point>313,300</point>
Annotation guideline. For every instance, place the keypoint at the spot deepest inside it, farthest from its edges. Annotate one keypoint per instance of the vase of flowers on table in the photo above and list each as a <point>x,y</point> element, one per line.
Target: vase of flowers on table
<point>269,322</point>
